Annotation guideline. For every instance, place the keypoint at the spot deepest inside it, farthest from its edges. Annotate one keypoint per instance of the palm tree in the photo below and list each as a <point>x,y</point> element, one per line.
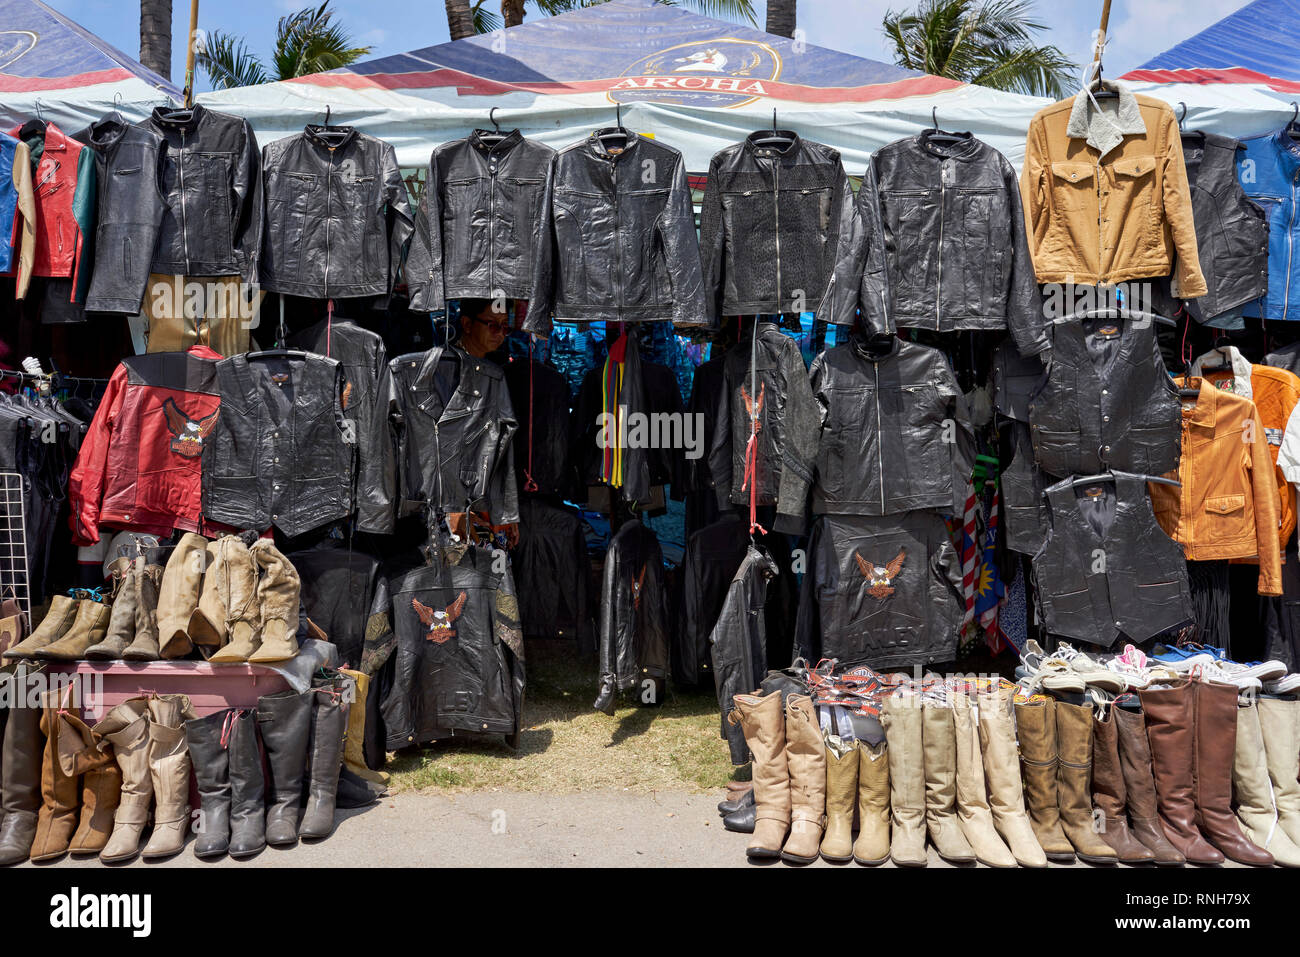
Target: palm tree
<point>780,17</point>
<point>462,12</point>
<point>156,36</point>
<point>986,42</point>
<point>305,42</point>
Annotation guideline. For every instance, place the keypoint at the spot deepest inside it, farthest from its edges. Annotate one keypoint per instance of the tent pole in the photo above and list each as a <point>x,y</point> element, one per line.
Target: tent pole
<point>1101,34</point>
<point>194,28</point>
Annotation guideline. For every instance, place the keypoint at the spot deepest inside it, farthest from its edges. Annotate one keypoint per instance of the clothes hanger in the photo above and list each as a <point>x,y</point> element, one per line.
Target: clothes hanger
<point>936,135</point>
<point>775,137</point>
<point>1182,114</point>
<point>1293,128</point>
<point>490,138</point>
<point>1109,476</point>
<point>1095,88</point>
<point>333,135</point>
<point>617,132</point>
<point>1122,312</point>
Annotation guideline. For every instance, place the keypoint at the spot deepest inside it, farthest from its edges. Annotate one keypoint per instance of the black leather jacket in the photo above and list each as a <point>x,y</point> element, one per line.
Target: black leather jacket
<point>955,240</point>
<point>779,232</point>
<point>553,574</point>
<point>1023,509</point>
<point>625,248</point>
<point>337,218</point>
<point>484,224</point>
<point>896,434</point>
<point>633,614</point>
<point>739,641</point>
<point>129,164</point>
<point>540,397</point>
<point>279,454</point>
<point>452,427</point>
<point>213,181</point>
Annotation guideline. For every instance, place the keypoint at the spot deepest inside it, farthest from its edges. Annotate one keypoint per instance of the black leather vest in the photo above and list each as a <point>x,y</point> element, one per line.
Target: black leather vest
<point>1107,401</point>
<point>1107,571</point>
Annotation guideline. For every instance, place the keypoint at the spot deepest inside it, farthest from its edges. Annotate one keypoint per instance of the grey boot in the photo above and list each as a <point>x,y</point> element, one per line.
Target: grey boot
<point>284,721</point>
<point>329,723</point>
<point>121,620</point>
<point>206,739</point>
<point>24,745</point>
<point>247,786</point>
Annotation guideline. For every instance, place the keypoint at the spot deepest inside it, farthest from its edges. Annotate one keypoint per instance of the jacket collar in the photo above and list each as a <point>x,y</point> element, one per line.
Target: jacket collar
<point>1239,364</point>
<point>1288,150</point>
<point>511,140</point>
<point>1102,130</point>
<point>313,133</point>
<point>107,132</point>
<point>1206,402</point>
<point>470,372</point>
<point>768,152</point>
<point>161,118</point>
<point>598,148</point>
<point>861,351</point>
<point>964,150</point>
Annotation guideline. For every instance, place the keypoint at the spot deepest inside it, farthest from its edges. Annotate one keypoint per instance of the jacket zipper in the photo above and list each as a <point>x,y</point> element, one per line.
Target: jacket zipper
<point>492,220</point>
<point>776,206</point>
<point>938,290</point>
<point>329,182</point>
<point>185,242</point>
<point>618,242</point>
<point>880,439</point>
<point>1290,243</point>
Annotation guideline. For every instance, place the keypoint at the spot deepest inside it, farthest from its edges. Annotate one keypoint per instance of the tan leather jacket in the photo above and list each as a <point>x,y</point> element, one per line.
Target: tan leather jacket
<point>1228,504</point>
<point>1106,197</point>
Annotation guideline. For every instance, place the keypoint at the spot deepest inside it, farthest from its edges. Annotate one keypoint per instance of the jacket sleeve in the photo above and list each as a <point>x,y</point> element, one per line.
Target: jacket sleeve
<point>873,290</point>
<point>377,466</point>
<point>713,240</point>
<point>720,457</point>
<point>542,297</point>
<point>816,382</point>
<point>839,300</point>
<point>1263,481</point>
<point>84,210</point>
<point>90,473</point>
<point>424,263</point>
<point>1178,213</point>
<point>249,214</point>
<point>1025,316</point>
<point>682,252</point>
<point>503,493</point>
<point>26,233</point>
<point>1033,190</point>
<point>608,635</point>
<point>400,225</point>
<point>803,421</point>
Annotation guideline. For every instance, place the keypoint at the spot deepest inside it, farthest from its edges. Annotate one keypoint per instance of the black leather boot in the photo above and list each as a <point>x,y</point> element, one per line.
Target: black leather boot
<point>212,771</point>
<point>329,722</point>
<point>284,720</point>
<point>20,771</point>
<point>743,799</point>
<point>247,786</point>
<point>606,697</point>
<point>742,819</point>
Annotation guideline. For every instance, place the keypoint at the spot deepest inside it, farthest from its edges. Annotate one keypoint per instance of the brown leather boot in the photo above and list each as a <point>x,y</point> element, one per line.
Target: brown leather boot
<point>178,595</point>
<point>80,756</point>
<point>1171,732</point>
<point>805,756</point>
<point>121,620</point>
<point>20,768</point>
<point>1140,788</point>
<point>763,720</point>
<point>1074,746</point>
<point>148,586</point>
<point>55,624</point>
<point>1109,794</point>
<point>57,819</point>
<point>1036,732</point>
<point>1216,741</point>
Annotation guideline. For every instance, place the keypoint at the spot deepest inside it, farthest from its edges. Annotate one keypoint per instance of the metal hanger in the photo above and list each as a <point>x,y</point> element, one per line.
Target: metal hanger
<point>330,134</point>
<point>775,137</point>
<point>1121,312</point>
<point>1182,115</point>
<point>495,136</point>
<point>936,135</point>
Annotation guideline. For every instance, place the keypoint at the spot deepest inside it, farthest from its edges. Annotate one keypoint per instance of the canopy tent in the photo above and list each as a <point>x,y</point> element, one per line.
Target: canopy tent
<point>697,83</point>
<point>1239,77</point>
<point>50,66</point>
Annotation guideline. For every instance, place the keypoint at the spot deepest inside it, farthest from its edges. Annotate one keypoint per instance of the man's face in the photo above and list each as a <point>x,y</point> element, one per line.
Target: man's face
<point>485,332</point>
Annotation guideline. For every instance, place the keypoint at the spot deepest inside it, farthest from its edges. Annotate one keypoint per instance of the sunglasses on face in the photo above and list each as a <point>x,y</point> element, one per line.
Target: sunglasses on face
<point>500,328</point>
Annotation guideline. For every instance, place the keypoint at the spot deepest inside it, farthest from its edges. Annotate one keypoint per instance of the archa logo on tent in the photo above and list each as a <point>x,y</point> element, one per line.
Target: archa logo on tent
<point>13,44</point>
<point>719,73</point>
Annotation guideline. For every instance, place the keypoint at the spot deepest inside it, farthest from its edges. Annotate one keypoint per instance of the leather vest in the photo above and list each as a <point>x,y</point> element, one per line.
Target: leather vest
<point>1107,570</point>
<point>280,454</point>
<point>1106,402</point>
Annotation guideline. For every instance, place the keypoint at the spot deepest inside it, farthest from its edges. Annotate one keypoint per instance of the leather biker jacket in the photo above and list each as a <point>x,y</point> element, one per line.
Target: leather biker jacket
<point>739,641</point>
<point>633,614</point>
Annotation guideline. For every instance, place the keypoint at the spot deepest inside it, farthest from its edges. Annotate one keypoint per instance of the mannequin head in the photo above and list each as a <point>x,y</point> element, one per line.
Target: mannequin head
<point>482,329</point>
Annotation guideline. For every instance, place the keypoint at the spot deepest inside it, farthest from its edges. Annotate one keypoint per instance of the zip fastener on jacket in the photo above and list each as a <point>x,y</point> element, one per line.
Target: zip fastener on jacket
<point>185,242</point>
<point>880,439</point>
<point>329,183</point>
<point>492,222</point>
<point>1290,245</point>
<point>776,205</point>
<point>938,284</point>
<point>618,243</point>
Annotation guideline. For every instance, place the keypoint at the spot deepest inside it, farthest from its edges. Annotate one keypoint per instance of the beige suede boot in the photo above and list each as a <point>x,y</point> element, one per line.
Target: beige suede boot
<point>178,595</point>
<point>841,792</point>
<point>973,813</point>
<point>902,719</point>
<point>278,591</point>
<point>806,758</point>
<point>872,845</point>
<point>1002,772</point>
<point>763,720</point>
<point>940,742</point>
<point>1254,790</point>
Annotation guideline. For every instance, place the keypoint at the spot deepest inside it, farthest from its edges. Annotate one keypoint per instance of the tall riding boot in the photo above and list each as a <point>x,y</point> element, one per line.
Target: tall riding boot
<point>243,614</point>
<point>81,756</point>
<point>20,766</point>
<point>763,720</point>
<point>57,819</point>
<point>940,742</point>
<point>1002,771</point>
<point>1216,743</point>
<point>169,765</point>
<point>148,587</point>
<point>178,595</point>
<point>207,739</point>
<point>247,786</point>
<point>1255,801</point>
<point>126,728</point>
<point>207,627</point>
<point>278,596</point>
<point>1073,792</point>
<point>1280,720</point>
<point>902,721</point>
<point>1036,732</point>
<point>974,816</point>
<point>121,620</point>
<point>872,845</point>
<point>1171,732</point>
<point>841,793</point>
<point>1109,794</point>
<point>354,756</point>
<point>284,721</point>
<point>1140,788</point>
<point>805,756</point>
<point>329,725</point>
<point>55,624</point>
<point>88,628</point>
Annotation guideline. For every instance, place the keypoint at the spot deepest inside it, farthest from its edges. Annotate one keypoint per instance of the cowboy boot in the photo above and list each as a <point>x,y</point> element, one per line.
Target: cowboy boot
<point>1171,732</point>
<point>1109,794</point>
<point>57,621</point>
<point>284,722</point>
<point>1073,791</point>
<point>1140,788</point>
<point>207,738</point>
<point>88,628</point>
<point>1036,732</point>
<point>81,756</point>
<point>148,585</point>
<point>1216,741</point>
<point>940,743</point>
<point>872,845</point>
<point>806,758</point>
<point>328,727</point>
<point>1002,771</point>
<point>354,758</point>
<point>178,595</point>
<point>974,816</point>
<point>207,626</point>
<point>902,720</point>
<point>247,786</point>
<point>20,769</point>
<point>57,819</point>
<point>169,767</point>
<point>126,728</point>
<point>1254,791</point>
<point>841,792</point>
<point>278,592</point>
<point>121,620</point>
<point>1279,719</point>
<point>243,612</point>
<point>763,721</point>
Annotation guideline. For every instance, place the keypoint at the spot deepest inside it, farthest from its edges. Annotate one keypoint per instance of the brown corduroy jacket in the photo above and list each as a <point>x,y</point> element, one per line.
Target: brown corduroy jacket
<point>1228,504</point>
<point>1106,197</point>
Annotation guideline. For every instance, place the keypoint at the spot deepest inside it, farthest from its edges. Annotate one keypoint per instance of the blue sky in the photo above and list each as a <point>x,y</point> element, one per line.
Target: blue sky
<point>1138,29</point>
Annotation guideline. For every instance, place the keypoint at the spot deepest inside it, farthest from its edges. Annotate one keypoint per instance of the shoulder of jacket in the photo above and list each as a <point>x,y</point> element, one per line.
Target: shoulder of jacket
<point>1060,106</point>
<point>1152,103</point>
<point>489,369</point>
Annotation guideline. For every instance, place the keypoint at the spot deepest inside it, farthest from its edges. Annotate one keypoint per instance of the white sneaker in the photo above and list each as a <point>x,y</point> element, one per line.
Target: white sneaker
<point>1213,671</point>
<point>1284,685</point>
<point>1089,670</point>
<point>1263,670</point>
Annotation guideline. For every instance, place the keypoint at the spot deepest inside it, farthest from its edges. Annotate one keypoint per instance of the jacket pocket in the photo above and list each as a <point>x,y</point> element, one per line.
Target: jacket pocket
<point>1073,186</point>
<point>1225,504</point>
<point>1224,520</point>
<point>1135,183</point>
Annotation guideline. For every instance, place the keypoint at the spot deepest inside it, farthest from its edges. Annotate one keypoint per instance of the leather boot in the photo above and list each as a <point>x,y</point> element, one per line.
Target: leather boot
<point>207,626</point>
<point>55,624</point>
<point>20,769</point>
<point>126,728</point>
<point>11,632</point>
<point>1254,790</point>
<point>734,801</point>
<point>1171,732</point>
<point>284,722</point>
<point>805,756</point>
<point>902,720</point>
<point>1279,719</point>
<point>81,756</point>
<point>354,757</point>
<point>148,587</point>
<point>1109,794</point>
<point>762,719</point>
<point>329,722</point>
<point>1216,744</point>
<point>178,595</point>
<point>1073,790</point>
<point>1036,732</point>
<point>974,816</point>
<point>207,738</point>
<point>247,786</point>
<point>243,612</point>
<point>57,819</point>
<point>88,628</point>
<point>121,619</point>
<point>278,591</point>
<point>841,793</point>
<point>169,766</point>
<point>1002,772</point>
<point>1140,788</point>
<point>940,742</point>
<point>741,820</point>
<point>872,845</point>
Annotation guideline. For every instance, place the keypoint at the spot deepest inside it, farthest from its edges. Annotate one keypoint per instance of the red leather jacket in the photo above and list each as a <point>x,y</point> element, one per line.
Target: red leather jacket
<point>54,183</point>
<point>140,464</point>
